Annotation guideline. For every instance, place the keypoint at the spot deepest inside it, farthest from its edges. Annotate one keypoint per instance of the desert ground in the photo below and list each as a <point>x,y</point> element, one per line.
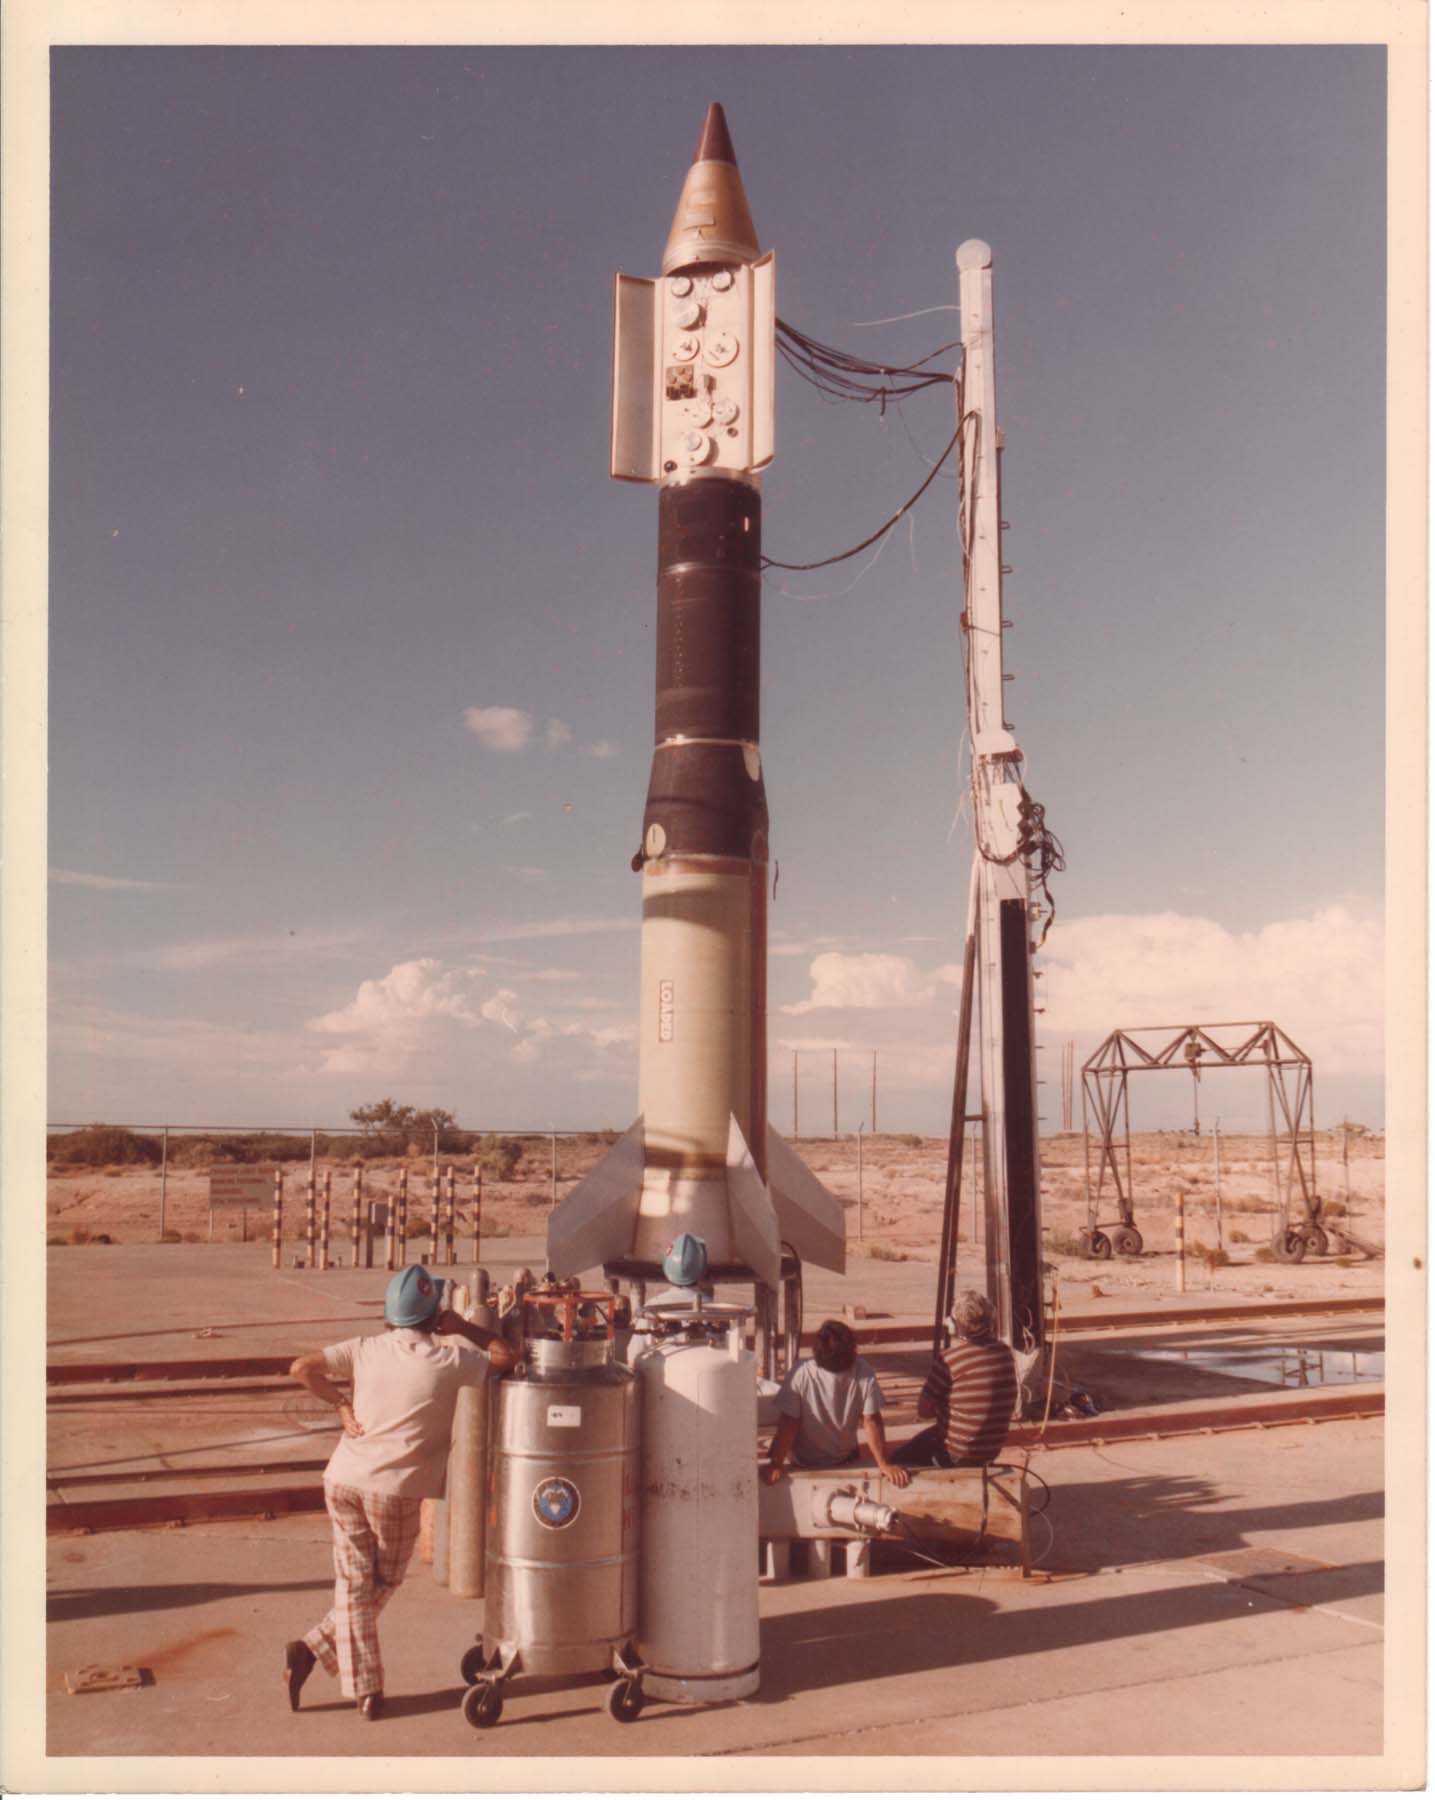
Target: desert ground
<point>893,1203</point>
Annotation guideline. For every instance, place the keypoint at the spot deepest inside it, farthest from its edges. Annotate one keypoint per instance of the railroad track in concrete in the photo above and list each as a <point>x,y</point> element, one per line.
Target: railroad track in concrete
<point>869,1332</point>
<point>88,1496</point>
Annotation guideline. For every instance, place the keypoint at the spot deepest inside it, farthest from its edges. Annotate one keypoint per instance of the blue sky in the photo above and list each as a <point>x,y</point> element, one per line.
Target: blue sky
<point>351,636</point>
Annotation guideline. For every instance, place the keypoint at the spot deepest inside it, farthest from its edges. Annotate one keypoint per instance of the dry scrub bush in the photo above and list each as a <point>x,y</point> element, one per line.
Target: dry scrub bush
<point>101,1146</point>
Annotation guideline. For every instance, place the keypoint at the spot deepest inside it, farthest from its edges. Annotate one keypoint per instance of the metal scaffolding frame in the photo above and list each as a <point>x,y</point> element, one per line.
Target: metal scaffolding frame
<point>1188,1049</point>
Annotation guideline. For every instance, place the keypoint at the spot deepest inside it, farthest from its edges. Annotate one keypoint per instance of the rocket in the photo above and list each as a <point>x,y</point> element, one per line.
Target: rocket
<point>694,359</point>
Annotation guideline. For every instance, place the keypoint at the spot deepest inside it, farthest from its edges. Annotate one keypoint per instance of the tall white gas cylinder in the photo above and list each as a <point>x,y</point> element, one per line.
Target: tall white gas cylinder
<point>697,1614</point>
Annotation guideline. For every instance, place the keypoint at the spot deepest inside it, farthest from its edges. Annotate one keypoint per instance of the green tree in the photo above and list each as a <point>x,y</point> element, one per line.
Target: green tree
<point>384,1122</point>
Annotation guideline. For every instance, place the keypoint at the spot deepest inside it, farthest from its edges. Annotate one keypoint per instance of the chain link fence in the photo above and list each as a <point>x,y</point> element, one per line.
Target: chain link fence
<point>319,1196</point>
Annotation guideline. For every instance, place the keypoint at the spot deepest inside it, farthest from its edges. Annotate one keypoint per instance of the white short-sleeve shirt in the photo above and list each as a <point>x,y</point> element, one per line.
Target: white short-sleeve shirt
<point>405,1385</point>
<point>829,1408</point>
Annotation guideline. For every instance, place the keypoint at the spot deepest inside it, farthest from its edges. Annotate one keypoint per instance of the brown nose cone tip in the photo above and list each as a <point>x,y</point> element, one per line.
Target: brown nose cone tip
<point>712,223</point>
<point>714,145</point>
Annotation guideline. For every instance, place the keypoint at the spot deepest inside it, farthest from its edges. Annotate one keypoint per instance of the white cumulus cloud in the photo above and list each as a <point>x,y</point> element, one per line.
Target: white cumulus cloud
<point>500,727</point>
<point>426,1015</point>
<point>411,991</point>
<point>602,748</point>
<point>1321,978</point>
<point>865,980</point>
<point>556,734</point>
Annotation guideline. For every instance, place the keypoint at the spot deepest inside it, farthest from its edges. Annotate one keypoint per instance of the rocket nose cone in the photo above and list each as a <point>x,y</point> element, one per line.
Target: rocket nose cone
<point>714,143</point>
<point>712,223</point>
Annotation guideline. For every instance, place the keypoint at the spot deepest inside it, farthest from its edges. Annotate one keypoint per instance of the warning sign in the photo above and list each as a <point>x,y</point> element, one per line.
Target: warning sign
<point>247,1186</point>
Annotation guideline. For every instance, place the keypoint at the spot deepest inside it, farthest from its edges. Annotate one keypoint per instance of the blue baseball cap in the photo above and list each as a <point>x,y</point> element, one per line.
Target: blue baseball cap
<point>685,1262</point>
<point>412,1297</point>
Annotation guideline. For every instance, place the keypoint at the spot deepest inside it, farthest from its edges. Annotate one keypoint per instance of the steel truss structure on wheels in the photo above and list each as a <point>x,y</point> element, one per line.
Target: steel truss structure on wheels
<point>1290,1115</point>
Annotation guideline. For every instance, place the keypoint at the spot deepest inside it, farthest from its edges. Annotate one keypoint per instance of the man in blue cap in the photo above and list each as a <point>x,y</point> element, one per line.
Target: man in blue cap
<point>393,1455</point>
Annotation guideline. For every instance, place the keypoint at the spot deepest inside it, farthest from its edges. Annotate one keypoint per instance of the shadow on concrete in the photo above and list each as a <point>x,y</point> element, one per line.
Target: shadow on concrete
<point>396,1706</point>
<point>839,1645</point>
<point>96,1603</point>
<point>1169,1518</point>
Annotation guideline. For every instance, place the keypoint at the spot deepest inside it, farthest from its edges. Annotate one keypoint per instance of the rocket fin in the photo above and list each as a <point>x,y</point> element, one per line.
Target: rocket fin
<point>808,1216</point>
<point>594,1223</point>
<point>754,1225</point>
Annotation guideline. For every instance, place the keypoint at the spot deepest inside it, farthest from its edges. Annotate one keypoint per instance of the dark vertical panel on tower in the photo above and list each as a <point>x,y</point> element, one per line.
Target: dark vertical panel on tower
<point>1017,1051</point>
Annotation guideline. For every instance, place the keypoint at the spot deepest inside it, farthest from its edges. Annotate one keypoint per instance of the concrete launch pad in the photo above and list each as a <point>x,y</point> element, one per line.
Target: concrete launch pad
<point>1215,1595</point>
<point>1205,1597</point>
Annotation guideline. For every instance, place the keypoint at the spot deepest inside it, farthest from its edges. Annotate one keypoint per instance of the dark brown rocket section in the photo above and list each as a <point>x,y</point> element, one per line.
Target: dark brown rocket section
<point>702,793</point>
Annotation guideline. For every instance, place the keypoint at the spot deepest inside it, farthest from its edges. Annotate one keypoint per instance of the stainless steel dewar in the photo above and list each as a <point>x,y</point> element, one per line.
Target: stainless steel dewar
<point>561,1575</point>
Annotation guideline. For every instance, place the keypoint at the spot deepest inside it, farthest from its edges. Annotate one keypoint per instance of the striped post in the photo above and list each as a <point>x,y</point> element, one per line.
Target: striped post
<point>450,1202</point>
<point>311,1207</point>
<point>356,1221</point>
<point>477,1209</point>
<point>403,1222</point>
<point>391,1225</point>
<point>1180,1243</point>
<point>326,1219</point>
<point>278,1217</point>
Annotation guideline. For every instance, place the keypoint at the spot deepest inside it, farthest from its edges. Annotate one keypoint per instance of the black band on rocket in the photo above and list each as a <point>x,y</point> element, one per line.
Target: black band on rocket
<point>709,593</point>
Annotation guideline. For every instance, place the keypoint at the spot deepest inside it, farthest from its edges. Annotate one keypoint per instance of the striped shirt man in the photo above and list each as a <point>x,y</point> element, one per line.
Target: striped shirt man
<point>971,1392</point>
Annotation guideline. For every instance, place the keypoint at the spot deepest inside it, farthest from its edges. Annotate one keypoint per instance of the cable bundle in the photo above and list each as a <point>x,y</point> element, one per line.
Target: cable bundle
<point>838,375</point>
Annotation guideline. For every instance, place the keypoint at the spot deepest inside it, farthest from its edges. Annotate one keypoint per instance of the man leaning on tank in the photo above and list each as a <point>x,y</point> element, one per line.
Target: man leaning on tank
<point>822,1405</point>
<point>392,1455</point>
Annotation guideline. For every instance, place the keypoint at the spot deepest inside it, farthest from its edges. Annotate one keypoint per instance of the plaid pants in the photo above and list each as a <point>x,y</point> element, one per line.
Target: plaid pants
<point>374,1537</point>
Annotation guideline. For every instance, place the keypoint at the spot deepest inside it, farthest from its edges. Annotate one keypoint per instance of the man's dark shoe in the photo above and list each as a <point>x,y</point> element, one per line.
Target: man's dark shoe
<point>299,1662</point>
<point>371,1706</point>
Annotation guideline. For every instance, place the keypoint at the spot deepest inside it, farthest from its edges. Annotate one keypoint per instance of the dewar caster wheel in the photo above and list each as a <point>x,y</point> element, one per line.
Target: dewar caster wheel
<point>482,1705</point>
<point>625,1699</point>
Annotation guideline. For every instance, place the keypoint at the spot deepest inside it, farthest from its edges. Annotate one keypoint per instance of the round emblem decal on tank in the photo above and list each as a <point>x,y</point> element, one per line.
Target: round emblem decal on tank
<point>556,1502</point>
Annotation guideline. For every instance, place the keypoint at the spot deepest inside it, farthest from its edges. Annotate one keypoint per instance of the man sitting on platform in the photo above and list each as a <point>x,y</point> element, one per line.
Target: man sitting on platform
<point>971,1392</point>
<point>821,1403</point>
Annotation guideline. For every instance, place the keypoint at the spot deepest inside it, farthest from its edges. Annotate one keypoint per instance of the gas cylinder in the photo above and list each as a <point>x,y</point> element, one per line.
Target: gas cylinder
<point>698,1631</point>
